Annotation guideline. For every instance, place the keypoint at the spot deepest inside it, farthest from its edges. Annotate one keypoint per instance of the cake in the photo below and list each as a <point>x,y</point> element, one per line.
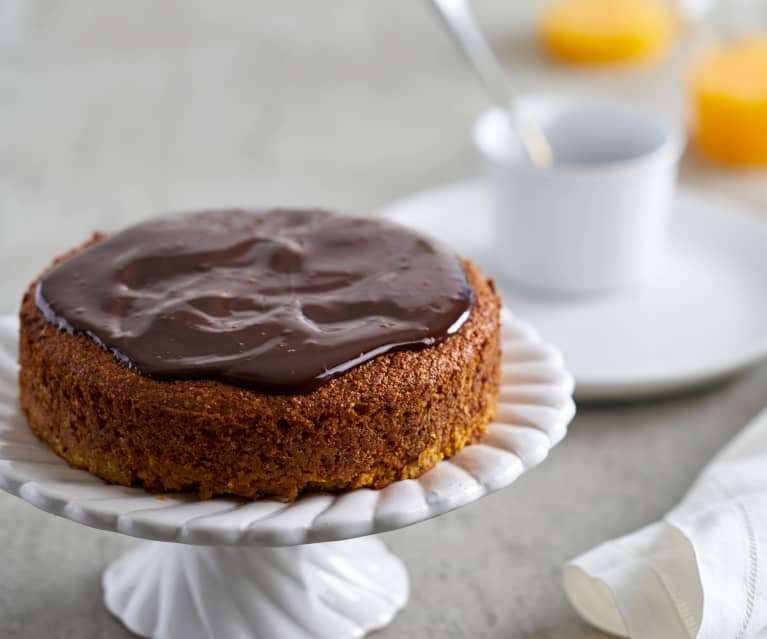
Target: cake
<point>259,354</point>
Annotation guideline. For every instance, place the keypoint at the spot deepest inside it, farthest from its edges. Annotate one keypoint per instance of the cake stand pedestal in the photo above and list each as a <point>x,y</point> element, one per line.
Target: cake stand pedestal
<point>271,570</point>
<point>328,590</point>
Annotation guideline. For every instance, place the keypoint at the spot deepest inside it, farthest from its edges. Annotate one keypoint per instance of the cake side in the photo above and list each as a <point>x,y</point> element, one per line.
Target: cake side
<point>391,418</point>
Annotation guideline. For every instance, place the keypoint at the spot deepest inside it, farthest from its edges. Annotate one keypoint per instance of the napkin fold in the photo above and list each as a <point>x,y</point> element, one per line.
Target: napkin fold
<point>701,572</point>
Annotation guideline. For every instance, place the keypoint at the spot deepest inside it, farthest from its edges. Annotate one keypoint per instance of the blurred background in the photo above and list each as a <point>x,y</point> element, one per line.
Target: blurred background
<point>111,111</point>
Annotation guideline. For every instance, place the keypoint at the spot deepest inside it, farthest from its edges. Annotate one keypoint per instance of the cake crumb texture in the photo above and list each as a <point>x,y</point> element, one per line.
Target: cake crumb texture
<point>391,418</point>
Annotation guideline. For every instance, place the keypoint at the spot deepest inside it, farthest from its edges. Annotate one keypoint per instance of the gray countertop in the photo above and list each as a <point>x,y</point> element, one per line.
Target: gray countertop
<point>110,111</point>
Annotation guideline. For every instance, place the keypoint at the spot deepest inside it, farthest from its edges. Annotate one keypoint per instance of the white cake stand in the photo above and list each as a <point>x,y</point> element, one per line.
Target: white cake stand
<point>237,569</point>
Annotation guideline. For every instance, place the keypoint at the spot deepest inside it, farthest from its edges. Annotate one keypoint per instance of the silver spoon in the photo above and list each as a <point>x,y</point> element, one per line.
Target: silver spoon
<point>462,25</point>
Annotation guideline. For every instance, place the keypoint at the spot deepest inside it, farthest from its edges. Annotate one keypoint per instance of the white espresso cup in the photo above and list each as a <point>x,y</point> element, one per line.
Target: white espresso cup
<point>598,219</point>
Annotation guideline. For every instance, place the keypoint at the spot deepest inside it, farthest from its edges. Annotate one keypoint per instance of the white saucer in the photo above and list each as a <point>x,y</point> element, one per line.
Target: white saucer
<point>704,318</point>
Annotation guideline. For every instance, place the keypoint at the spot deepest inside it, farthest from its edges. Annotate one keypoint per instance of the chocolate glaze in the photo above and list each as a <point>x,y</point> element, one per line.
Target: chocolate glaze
<point>279,301</point>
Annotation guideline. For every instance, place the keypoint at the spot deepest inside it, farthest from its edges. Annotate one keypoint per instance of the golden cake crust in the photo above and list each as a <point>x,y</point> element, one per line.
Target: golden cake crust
<point>391,418</point>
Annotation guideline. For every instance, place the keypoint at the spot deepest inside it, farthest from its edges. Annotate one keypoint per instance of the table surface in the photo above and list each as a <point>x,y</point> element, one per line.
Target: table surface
<point>110,111</point>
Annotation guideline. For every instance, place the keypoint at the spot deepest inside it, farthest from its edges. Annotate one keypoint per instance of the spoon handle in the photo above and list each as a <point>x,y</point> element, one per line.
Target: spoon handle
<point>459,19</point>
<point>462,26</point>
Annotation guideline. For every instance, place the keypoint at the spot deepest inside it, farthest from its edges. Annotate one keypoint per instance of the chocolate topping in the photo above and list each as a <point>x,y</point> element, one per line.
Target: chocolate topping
<point>279,301</point>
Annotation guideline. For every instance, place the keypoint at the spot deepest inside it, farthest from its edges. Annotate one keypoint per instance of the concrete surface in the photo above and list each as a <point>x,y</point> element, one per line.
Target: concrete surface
<point>112,110</point>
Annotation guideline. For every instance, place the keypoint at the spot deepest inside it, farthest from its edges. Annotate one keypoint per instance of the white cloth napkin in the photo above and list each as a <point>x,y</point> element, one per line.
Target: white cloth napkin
<point>699,573</point>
